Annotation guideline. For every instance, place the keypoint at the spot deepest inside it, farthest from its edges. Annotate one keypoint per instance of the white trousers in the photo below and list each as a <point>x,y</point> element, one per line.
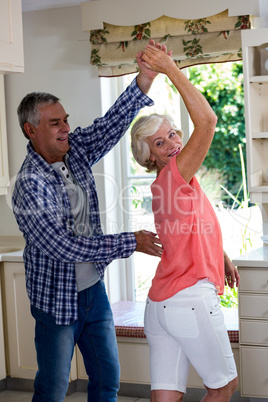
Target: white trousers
<point>188,328</point>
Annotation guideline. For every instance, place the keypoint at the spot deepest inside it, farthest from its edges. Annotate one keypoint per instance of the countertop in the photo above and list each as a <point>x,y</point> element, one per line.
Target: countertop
<point>15,256</point>
<point>258,257</point>
<point>11,248</point>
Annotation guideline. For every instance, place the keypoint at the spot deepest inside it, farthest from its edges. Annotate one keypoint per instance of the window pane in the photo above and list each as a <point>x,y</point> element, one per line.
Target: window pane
<point>167,101</point>
<point>142,219</point>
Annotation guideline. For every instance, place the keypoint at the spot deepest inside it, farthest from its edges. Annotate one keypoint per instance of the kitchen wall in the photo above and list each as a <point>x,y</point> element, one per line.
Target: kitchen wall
<point>56,60</point>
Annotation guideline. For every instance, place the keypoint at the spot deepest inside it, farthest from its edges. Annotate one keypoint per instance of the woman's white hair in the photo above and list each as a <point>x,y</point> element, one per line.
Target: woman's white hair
<point>145,127</point>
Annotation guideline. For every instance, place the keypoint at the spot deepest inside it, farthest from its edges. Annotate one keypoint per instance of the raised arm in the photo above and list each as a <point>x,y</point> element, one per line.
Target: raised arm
<point>204,119</point>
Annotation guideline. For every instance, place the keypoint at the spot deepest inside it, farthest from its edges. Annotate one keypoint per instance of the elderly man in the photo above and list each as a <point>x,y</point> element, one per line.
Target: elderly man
<point>56,207</point>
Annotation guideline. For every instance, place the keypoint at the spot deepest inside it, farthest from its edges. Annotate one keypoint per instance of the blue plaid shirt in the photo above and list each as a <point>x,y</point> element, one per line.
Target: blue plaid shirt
<point>43,212</point>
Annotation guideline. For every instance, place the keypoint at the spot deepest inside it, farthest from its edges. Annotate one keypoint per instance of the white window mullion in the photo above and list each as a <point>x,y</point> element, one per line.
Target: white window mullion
<point>121,278</point>
<point>126,204</point>
<point>186,123</point>
<point>115,277</point>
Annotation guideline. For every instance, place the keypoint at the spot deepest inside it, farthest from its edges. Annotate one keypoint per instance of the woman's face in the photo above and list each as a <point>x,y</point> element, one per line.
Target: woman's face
<point>164,144</point>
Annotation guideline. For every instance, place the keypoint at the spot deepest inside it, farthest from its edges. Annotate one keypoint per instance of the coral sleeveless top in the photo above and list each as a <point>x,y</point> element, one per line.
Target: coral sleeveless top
<point>190,233</point>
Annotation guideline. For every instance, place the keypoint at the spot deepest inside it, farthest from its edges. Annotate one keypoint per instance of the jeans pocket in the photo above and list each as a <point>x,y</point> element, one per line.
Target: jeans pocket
<point>102,286</point>
<point>181,322</point>
<point>45,319</point>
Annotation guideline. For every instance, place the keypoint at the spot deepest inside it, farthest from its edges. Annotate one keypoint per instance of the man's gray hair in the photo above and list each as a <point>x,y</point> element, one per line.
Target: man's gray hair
<point>28,109</point>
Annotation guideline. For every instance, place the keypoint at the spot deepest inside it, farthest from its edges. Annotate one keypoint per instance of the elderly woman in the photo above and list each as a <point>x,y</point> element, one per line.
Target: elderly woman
<point>183,320</point>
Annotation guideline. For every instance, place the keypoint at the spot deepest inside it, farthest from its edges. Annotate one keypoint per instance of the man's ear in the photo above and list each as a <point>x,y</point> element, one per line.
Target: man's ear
<point>29,129</point>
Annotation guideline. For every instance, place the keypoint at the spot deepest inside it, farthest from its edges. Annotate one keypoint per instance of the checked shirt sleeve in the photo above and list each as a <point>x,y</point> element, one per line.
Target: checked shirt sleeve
<point>105,132</point>
<point>41,219</point>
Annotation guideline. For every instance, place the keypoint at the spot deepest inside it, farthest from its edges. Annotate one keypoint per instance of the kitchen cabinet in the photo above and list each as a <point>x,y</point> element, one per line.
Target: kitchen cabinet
<point>11,60</point>
<point>2,345</point>
<point>4,174</point>
<point>253,323</point>
<point>11,37</point>
<point>19,324</point>
<point>134,361</point>
<point>255,67</point>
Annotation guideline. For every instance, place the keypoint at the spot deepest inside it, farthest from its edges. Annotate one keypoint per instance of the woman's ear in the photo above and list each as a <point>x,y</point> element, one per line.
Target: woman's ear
<point>152,158</point>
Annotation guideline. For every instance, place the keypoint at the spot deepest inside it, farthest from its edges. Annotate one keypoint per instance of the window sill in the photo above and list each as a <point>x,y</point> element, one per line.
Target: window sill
<point>128,320</point>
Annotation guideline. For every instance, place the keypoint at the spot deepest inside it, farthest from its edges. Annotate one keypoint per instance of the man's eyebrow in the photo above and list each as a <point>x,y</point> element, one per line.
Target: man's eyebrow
<point>58,118</point>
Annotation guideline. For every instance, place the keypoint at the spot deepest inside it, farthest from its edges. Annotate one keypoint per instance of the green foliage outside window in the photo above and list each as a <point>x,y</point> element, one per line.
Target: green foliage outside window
<point>222,86</point>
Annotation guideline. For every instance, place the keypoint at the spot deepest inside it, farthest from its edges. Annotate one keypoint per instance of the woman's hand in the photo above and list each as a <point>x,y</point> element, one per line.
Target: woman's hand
<point>231,272</point>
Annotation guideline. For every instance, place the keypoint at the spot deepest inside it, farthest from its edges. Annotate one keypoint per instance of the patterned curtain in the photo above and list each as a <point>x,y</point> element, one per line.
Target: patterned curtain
<point>207,40</point>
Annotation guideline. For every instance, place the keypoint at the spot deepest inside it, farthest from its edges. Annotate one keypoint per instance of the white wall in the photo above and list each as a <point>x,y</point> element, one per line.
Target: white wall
<point>56,60</point>
<point>262,21</point>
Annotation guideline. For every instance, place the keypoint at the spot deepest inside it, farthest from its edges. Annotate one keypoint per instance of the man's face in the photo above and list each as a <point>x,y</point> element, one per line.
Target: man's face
<point>50,138</point>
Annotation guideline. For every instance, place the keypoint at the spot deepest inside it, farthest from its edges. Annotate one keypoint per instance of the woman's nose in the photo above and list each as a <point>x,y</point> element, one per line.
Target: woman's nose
<point>170,143</point>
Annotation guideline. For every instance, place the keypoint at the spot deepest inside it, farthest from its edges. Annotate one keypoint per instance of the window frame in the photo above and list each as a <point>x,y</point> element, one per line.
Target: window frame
<point>120,276</point>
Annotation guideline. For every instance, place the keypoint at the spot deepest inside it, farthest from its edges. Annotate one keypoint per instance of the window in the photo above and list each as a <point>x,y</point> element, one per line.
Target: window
<point>135,192</point>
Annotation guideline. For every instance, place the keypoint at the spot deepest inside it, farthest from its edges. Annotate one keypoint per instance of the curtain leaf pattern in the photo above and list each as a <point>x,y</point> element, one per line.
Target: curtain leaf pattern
<point>206,40</point>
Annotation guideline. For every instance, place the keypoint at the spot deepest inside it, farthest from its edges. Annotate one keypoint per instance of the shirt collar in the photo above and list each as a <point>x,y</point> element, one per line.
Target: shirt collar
<point>40,163</point>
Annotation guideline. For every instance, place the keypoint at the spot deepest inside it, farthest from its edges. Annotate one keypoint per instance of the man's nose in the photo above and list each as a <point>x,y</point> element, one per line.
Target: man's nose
<point>65,126</point>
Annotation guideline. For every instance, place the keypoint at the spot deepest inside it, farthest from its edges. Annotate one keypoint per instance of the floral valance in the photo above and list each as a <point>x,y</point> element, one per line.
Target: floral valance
<point>207,40</point>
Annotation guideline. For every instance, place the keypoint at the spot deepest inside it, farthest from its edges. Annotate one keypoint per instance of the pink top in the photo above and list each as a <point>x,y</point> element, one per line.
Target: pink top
<point>190,233</point>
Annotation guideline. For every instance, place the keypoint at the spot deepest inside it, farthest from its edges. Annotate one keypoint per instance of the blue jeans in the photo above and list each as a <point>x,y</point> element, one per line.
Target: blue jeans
<point>94,334</point>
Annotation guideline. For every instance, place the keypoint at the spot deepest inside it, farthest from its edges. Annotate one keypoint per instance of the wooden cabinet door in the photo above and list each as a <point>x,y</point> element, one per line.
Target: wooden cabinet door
<point>253,306</point>
<point>4,173</point>
<point>19,325</point>
<point>11,37</point>
<point>254,371</point>
<point>253,332</point>
<point>253,280</point>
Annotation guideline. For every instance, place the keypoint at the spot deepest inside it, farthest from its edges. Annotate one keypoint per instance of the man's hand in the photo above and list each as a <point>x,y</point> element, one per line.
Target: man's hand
<point>147,243</point>
<point>146,74</point>
<point>231,273</point>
